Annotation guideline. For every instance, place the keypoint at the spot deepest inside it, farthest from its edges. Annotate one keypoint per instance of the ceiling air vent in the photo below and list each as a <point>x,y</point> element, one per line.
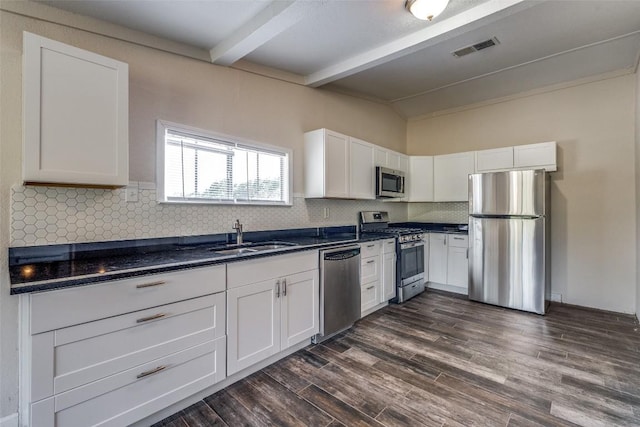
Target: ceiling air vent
<point>476,47</point>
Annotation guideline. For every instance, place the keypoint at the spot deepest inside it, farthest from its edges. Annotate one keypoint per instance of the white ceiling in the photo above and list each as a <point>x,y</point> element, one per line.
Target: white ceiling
<point>375,48</point>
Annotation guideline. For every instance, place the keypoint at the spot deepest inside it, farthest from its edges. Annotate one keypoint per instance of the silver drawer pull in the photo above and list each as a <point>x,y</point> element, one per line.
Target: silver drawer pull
<point>371,246</point>
<point>154,317</point>
<point>284,287</point>
<point>371,262</point>
<point>151,372</point>
<point>458,238</point>
<point>150,284</point>
<point>370,287</point>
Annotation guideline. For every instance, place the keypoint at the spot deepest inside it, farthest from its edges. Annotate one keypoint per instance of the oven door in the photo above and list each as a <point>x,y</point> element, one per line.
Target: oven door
<point>411,262</point>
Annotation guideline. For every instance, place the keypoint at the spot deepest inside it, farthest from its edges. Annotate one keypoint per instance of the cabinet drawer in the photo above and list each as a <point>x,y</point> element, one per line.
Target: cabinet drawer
<point>370,269</point>
<point>246,272</point>
<point>369,249</point>
<point>67,307</point>
<point>369,296</point>
<point>128,396</point>
<point>95,350</point>
<point>458,241</point>
<point>388,246</point>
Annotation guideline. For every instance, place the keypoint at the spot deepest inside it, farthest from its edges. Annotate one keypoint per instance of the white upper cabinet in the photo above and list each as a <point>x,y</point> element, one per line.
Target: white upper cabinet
<point>76,116</point>
<point>535,156</point>
<point>420,179</point>
<point>450,176</point>
<point>362,169</point>
<point>326,164</point>
<point>494,160</point>
<point>391,159</point>
<point>380,156</point>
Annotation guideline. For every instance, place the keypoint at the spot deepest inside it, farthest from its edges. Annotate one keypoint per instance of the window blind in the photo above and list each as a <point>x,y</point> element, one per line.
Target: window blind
<point>201,168</point>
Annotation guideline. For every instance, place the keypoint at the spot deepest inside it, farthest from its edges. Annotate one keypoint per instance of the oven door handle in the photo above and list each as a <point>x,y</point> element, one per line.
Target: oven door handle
<point>412,244</point>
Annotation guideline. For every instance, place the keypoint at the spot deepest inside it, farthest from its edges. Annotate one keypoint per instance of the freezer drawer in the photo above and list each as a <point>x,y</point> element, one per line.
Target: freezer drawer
<point>507,262</point>
<point>519,193</point>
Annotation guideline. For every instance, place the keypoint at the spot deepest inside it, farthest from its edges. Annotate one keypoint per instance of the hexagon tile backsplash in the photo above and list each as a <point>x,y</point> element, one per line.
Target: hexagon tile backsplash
<point>56,215</point>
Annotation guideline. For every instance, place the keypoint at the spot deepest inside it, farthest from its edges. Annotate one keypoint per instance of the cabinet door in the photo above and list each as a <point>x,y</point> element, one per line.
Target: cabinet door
<point>76,116</point>
<point>388,277</point>
<point>253,324</point>
<point>420,180</point>
<point>542,155</point>
<point>370,296</point>
<point>403,163</point>
<point>438,258</point>
<point>450,177</point>
<point>380,156</point>
<point>458,267</point>
<point>299,304</point>
<point>336,164</point>
<point>362,170</point>
<point>370,269</point>
<point>494,160</point>
<point>393,160</point>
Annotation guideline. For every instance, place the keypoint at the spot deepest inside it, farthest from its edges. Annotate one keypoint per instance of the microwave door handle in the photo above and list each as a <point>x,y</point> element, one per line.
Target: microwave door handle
<point>402,184</point>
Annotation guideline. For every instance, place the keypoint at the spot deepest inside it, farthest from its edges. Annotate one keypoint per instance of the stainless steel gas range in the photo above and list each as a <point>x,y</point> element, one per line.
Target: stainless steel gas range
<point>409,251</point>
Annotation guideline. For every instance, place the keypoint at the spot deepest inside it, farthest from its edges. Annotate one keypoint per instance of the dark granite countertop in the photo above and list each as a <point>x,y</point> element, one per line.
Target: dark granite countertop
<point>42,268</point>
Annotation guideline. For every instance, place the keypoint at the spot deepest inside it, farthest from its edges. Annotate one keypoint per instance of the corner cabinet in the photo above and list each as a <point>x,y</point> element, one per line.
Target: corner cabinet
<point>266,317</point>
<point>451,176</point>
<point>76,116</point>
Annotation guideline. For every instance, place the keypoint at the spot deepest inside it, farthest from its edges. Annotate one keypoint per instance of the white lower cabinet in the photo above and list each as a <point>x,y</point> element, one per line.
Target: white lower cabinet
<point>370,276</point>
<point>449,262</point>
<point>377,274</point>
<point>267,317</point>
<point>119,369</point>
<point>388,270</point>
<point>438,257</point>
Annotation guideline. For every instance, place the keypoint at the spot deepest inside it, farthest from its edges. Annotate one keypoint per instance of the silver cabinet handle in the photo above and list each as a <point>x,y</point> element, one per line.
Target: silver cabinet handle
<point>370,287</point>
<point>151,371</point>
<point>284,287</point>
<point>467,253</point>
<point>150,284</point>
<point>278,289</point>
<point>154,317</point>
<point>458,238</point>
<point>371,246</point>
<point>371,262</point>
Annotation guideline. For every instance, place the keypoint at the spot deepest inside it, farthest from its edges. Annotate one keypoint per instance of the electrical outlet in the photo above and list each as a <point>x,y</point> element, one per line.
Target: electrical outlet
<point>326,213</point>
<point>131,194</point>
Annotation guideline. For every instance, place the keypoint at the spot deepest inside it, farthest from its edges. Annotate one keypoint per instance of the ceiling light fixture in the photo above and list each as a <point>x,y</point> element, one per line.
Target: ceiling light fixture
<point>426,9</point>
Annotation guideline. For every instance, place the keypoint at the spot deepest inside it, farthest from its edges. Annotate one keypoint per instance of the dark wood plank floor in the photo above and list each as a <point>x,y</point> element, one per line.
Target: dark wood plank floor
<point>439,360</point>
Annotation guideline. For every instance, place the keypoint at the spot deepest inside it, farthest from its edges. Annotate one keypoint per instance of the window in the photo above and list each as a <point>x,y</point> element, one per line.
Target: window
<point>195,166</point>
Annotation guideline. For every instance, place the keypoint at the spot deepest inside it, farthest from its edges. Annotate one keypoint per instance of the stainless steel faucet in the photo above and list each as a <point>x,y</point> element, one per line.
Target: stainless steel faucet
<point>238,227</point>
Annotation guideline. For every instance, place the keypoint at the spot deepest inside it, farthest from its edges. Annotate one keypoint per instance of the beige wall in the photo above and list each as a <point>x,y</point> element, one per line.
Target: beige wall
<point>177,89</point>
<point>593,221</point>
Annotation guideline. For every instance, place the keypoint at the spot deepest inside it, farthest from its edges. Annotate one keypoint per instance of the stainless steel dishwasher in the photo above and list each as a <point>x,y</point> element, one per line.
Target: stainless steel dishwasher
<point>339,290</point>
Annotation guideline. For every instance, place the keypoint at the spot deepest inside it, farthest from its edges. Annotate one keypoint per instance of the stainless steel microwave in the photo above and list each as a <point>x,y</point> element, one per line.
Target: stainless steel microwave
<point>389,183</point>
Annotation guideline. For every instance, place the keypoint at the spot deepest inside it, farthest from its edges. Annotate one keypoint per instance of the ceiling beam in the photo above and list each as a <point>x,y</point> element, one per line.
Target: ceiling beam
<point>277,17</point>
<point>468,20</point>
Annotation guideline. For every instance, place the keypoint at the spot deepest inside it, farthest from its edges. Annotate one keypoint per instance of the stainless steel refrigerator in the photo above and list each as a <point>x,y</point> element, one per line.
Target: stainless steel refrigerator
<point>509,239</point>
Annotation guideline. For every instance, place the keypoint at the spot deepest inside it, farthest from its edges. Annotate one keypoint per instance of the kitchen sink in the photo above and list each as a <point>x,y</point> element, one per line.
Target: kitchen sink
<point>247,248</point>
<point>236,251</point>
<point>271,246</point>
